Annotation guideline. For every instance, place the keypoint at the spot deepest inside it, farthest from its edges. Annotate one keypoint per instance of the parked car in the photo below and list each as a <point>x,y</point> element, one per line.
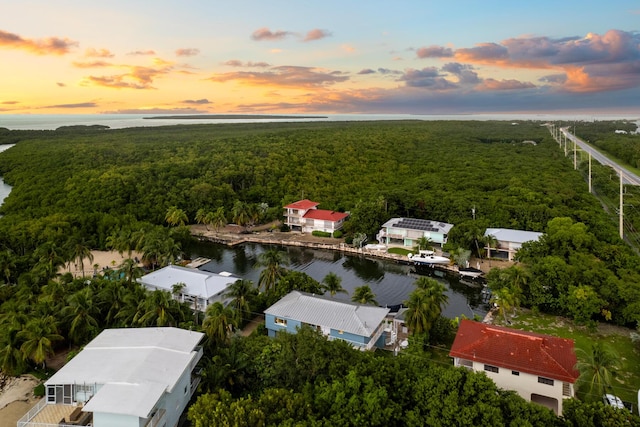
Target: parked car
<point>611,400</point>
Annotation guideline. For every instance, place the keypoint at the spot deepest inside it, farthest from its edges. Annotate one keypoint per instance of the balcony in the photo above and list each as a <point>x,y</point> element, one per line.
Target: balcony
<point>156,419</point>
<point>55,415</point>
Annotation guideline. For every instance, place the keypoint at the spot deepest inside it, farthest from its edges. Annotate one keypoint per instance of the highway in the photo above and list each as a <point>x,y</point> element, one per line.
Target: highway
<point>629,177</point>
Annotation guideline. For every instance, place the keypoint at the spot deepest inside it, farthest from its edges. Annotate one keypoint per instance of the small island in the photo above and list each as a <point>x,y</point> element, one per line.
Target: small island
<point>233,116</point>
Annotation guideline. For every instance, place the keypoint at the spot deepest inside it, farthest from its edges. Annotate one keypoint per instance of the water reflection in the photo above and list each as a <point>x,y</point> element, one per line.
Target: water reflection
<point>391,282</point>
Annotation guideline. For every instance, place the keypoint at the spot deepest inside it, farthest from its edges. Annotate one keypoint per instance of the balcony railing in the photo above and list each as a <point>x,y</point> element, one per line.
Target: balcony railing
<point>156,419</point>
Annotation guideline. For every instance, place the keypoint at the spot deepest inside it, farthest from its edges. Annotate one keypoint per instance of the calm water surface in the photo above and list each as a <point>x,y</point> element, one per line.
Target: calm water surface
<point>391,282</point>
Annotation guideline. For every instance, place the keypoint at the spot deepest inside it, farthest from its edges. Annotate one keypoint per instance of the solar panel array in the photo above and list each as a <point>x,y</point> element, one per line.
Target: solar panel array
<point>419,224</point>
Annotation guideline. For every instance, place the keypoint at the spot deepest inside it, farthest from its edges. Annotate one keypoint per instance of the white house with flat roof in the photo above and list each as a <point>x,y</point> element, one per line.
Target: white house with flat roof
<point>360,325</point>
<point>137,377</point>
<point>407,231</point>
<point>201,288</point>
<point>509,241</point>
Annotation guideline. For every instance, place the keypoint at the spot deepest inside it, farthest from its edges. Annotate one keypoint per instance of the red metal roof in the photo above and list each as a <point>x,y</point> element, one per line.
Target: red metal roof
<point>302,205</point>
<point>536,354</point>
<point>325,215</point>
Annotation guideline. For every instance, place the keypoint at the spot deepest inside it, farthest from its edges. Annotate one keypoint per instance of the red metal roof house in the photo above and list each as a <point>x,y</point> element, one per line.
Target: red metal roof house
<point>304,216</point>
<point>540,368</point>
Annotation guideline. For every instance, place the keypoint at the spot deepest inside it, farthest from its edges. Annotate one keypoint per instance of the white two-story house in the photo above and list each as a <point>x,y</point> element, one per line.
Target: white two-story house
<point>540,368</point>
<point>407,231</point>
<point>508,241</point>
<point>137,377</point>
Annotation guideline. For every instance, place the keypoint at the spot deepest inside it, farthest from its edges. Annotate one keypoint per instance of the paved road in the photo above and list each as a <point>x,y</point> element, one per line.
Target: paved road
<point>628,176</point>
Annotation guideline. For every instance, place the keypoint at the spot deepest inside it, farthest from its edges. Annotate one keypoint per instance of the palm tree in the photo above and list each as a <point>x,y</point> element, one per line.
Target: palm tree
<point>490,242</point>
<point>81,314</point>
<point>242,293</point>
<point>130,270</point>
<point>504,300</point>
<point>218,323</point>
<point>11,358</point>
<point>424,243</point>
<point>7,264</point>
<point>160,309</point>
<point>38,336</point>
<point>79,252</point>
<point>176,216</point>
<point>176,290</point>
<point>364,295</point>
<point>597,369</point>
<point>218,219</point>
<point>49,257</point>
<point>333,284</point>
<point>272,260</point>
<point>425,304</point>
<point>203,217</point>
<point>240,213</point>
<point>112,299</point>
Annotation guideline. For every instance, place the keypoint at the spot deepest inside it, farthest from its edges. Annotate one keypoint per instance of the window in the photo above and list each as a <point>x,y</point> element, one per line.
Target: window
<point>281,322</point>
<point>490,368</point>
<point>543,380</point>
<point>341,332</point>
<point>516,373</point>
<point>566,389</point>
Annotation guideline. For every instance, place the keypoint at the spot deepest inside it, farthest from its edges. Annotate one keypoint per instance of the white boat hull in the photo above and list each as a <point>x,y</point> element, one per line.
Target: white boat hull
<point>428,259</point>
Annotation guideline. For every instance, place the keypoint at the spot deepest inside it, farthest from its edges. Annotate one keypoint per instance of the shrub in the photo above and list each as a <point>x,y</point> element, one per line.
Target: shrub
<point>319,233</point>
<point>337,234</point>
<point>38,390</point>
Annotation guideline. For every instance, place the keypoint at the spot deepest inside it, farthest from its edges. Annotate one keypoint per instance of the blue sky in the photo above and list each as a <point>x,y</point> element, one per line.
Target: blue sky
<point>416,57</point>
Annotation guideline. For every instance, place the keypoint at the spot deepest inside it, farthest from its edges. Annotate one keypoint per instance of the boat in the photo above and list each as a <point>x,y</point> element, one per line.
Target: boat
<point>470,272</point>
<point>427,258</point>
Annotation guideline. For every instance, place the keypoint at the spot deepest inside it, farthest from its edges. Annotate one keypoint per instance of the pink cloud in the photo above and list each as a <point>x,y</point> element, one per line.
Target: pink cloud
<point>316,34</point>
<point>46,46</point>
<point>187,52</point>
<point>284,76</point>
<point>266,34</point>
<point>434,52</point>
<point>238,63</point>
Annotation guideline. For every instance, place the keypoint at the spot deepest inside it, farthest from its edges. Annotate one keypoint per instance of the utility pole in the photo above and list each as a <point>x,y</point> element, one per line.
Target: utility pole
<point>575,150</point>
<point>621,205</point>
<point>589,171</point>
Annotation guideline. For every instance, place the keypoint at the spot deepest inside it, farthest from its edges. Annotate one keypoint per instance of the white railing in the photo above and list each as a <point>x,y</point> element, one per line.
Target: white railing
<point>156,419</point>
<point>32,412</point>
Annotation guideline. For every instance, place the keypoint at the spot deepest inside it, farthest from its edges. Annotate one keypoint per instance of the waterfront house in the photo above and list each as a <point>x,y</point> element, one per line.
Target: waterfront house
<point>125,377</point>
<point>201,288</point>
<point>508,241</point>
<point>540,368</point>
<point>305,216</point>
<point>360,325</point>
<point>407,231</point>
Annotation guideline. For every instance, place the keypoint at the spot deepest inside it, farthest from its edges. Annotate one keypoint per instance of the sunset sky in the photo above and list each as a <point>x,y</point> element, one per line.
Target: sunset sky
<point>295,56</point>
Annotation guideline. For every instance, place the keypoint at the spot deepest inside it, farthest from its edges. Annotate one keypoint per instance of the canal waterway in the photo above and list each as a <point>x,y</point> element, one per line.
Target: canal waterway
<point>5,188</point>
<point>390,282</point>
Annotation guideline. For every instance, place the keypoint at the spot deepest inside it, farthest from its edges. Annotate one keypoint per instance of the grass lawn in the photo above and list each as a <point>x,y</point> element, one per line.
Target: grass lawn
<point>627,383</point>
<point>399,251</point>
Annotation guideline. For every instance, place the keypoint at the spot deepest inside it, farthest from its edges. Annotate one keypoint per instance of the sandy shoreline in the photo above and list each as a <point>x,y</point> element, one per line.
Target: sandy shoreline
<point>16,398</point>
<point>101,260</point>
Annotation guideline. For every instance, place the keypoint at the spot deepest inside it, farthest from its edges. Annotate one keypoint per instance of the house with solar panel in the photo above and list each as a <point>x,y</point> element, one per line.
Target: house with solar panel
<point>407,231</point>
<point>305,216</point>
<point>127,377</point>
<point>508,241</point>
<point>540,368</point>
<point>199,288</point>
<point>362,326</point>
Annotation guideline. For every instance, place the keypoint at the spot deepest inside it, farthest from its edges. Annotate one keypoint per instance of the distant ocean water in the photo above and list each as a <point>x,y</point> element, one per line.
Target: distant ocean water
<point>119,121</point>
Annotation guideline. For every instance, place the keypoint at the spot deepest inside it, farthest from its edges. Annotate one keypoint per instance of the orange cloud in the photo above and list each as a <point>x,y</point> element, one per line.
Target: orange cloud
<point>47,46</point>
<point>187,52</point>
<point>98,53</point>
<point>95,64</point>
<point>142,52</point>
